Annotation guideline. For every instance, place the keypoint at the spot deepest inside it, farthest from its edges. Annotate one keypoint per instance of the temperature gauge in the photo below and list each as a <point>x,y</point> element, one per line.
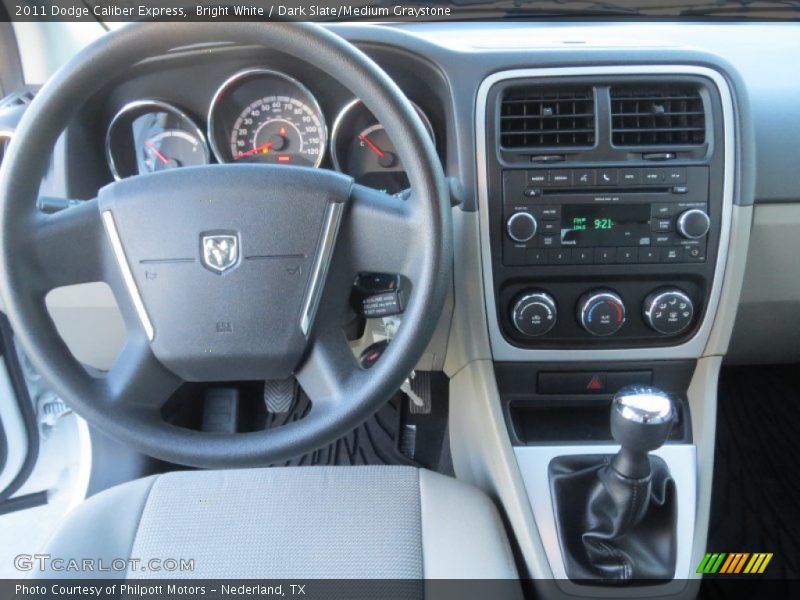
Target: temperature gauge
<point>149,136</point>
<point>362,149</point>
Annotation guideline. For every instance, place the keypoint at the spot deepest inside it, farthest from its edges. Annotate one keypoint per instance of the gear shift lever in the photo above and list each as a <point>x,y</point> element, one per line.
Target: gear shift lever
<point>641,419</point>
<point>616,515</point>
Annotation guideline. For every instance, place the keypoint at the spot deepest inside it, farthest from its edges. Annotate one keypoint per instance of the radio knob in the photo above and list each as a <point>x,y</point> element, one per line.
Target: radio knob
<point>534,314</point>
<point>521,227</point>
<point>693,224</point>
<point>668,311</point>
<point>601,313</point>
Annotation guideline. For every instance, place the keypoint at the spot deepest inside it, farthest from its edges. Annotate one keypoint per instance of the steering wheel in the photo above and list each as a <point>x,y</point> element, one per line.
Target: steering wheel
<point>224,272</point>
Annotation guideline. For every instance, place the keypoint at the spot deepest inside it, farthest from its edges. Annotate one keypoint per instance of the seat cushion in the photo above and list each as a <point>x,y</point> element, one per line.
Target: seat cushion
<point>372,522</point>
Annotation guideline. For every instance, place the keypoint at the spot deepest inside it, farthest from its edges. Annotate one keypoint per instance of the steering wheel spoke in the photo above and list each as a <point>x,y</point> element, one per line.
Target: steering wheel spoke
<point>68,247</point>
<point>137,379</point>
<point>377,233</point>
<point>329,368</point>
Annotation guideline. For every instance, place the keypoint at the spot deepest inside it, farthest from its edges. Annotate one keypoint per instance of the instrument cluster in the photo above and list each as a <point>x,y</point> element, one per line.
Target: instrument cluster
<point>256,116</point>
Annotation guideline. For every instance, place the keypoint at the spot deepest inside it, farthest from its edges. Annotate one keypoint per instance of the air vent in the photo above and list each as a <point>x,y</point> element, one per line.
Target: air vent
<point>17,99</point>
<point>533,118</point>
<point>657,115</point>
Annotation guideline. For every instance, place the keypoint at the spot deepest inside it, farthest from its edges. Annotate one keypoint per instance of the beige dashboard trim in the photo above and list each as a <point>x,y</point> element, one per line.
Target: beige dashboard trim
<point>502,350</point>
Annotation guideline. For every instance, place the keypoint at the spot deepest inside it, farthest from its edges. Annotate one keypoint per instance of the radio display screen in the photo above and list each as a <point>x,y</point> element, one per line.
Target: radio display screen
<point>591,225</point>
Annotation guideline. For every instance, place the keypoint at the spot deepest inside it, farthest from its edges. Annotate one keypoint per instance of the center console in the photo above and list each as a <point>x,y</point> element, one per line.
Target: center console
<point>605,198</point>
<point>606,206</point>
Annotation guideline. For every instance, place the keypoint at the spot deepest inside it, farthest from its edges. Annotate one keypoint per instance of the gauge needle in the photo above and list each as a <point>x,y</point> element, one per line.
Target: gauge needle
<point>155,151</point>
<point>372,146</point>
<point>261,148</point>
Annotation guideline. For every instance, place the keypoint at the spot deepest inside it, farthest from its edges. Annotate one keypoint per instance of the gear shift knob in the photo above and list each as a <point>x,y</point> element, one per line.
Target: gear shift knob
<point>641,419</point>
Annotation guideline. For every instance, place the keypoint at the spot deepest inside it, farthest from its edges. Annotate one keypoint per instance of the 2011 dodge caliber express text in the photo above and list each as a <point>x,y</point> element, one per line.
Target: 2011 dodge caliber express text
<point>386,300</point>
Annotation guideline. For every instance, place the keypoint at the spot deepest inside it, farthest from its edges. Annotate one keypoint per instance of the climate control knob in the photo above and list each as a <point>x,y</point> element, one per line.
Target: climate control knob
<point>601,312</point>
<point>521,227</point>
<point>668,311</point>
<point>534,313</point>
<point>693,224</point>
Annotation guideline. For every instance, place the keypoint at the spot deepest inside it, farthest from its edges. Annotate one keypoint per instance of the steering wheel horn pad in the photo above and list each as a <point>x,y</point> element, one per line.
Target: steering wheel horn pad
<point>227,262</point>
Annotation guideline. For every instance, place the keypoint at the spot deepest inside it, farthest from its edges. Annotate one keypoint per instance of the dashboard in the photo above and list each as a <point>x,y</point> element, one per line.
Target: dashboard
<point>442,69</point>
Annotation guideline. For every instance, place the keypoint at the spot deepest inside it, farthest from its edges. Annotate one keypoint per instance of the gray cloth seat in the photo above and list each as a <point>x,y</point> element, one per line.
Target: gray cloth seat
<point>283,523</point>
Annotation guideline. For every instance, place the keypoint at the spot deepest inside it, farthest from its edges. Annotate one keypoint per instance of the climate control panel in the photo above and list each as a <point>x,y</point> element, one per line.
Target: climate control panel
<point>602,313</point>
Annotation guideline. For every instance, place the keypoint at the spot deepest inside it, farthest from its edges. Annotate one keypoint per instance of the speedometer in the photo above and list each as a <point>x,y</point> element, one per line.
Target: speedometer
<point>267,117</point>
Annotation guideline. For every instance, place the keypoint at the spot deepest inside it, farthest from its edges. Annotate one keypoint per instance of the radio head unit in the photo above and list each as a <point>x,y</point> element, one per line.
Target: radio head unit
<point>645,216</point>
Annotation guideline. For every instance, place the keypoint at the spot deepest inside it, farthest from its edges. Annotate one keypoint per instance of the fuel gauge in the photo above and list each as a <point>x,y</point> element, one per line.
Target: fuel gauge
<point>149,136</point>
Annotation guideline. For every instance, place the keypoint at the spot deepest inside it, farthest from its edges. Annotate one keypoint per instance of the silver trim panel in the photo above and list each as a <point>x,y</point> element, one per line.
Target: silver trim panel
<point>333,218</point>
<point>502,350</point>
<point>681,459</point>
<point>127,274</point>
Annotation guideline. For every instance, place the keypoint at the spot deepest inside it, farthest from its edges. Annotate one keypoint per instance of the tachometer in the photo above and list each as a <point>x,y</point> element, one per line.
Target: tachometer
<point>149,135</point>
<point>267,117</point>
<point>361,148</point>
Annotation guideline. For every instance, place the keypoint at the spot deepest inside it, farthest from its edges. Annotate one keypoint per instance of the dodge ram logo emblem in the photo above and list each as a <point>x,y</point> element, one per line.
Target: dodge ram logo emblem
<point>220,251</point>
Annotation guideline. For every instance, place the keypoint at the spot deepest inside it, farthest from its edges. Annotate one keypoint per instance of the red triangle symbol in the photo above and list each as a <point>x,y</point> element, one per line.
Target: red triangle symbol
<point>594,384</point>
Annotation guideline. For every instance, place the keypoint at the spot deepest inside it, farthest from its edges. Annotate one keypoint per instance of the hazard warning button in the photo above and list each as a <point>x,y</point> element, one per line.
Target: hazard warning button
<point>583,382</point>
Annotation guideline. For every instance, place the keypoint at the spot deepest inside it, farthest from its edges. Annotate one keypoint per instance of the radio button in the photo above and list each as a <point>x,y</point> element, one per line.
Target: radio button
<point>653,176</point>
<point>536,256</point>
<point>550,213</point>
<point>521,227</point>
<point>607,176</point>
<point>627,255</point>
<point>662,210</point>
<point>584,177</point>
<point>532,192</point>
<point>583,256</point>
<point>605,256</point>
<point>549,241</point>
<point>648,255</point>
<point>671,254</point>
<point>676,175</point>
<point>548,227</point>
<point>562,256</point>
<point>561,178</point>
<point>661,225</point>
<point>680,189</point>
<point>664,240</point>
<point>537,178</point>
<point>693,224</point>
<point>630,176</point>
